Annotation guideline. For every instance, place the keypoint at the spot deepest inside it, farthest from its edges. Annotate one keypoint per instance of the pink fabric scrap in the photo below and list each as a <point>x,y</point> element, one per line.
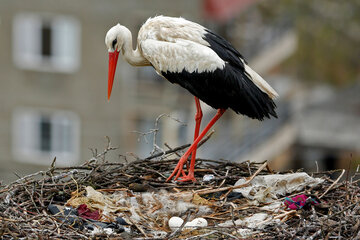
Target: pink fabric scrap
<point>298,201</point>
<point>86,213</point>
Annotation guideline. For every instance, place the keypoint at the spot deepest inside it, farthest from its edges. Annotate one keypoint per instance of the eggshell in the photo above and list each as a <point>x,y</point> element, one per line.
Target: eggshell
<point>176,222</point>
<point>197,222</point>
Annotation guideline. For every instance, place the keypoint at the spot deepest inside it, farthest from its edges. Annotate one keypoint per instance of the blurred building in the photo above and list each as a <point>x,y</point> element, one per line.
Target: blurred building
<point>318,125</point>
<point>329,129</point>
<point>53,66</point>
<point>266,45</point>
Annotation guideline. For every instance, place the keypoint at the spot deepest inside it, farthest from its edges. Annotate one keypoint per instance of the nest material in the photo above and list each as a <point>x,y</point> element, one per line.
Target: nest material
<point>24,212</point>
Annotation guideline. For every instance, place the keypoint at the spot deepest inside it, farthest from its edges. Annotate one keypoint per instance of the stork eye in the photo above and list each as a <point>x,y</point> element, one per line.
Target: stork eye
<point>114,43</point>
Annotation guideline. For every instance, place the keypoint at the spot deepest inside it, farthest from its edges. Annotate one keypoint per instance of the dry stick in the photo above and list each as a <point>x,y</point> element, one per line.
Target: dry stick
<point>155,131</point>
<point>227,234</point>
<point>277,217</point>
<point>23,179</point>
<point>181,147</point>
<point>202,236</point>
<point>97,156</point>
<point>223,181</point>
<point>178,231</point>
<point>170,148</point>
<point>25,220</point>
<point>31,198</point>
<point>151,170</point>
<point>167,152</point>
<point>337,213</point>
<point>156,147</point>
<point>138,227</point>
<point>232,205</point>
<point>229,189</point>
<point>248,165</point>
<point>332,185</point>
<point>210,233</point>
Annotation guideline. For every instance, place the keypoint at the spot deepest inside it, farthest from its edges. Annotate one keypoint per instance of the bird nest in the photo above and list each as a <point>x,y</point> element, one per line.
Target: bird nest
<point>137,193</point>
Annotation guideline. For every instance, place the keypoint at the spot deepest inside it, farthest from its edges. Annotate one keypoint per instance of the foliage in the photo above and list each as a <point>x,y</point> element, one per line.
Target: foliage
<point>329,40</point>
<point>328,33</point>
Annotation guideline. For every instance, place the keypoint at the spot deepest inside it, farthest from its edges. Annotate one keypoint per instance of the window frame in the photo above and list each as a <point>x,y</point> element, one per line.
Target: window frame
<point>65,48</point>
<point>26,136</point>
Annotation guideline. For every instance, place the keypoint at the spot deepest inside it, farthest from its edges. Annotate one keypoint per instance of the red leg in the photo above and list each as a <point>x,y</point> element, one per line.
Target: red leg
<point>179,167</point>
<point>198,118</point>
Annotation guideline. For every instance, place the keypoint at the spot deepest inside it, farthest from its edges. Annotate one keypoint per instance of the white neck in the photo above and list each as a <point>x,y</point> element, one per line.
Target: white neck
<point>133,57</point>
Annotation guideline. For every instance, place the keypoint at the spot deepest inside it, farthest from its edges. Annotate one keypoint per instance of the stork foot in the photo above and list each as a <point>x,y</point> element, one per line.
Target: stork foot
<point>188,178</point>
<point>178,169</point>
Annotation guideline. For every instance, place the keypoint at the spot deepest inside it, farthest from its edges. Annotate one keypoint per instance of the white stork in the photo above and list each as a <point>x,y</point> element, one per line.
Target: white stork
<point>209,67</point>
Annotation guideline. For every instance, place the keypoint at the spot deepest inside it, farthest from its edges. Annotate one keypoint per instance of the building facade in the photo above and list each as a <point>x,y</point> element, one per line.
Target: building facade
<point>53,65</point>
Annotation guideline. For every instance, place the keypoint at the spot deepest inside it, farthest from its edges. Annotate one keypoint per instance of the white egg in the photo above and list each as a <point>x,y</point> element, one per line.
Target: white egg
<point>175,223</point>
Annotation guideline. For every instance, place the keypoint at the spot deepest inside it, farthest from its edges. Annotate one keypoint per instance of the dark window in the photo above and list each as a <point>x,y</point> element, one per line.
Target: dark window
<point>45,134</point>
<point>65,137</point>
<point>46,39</point>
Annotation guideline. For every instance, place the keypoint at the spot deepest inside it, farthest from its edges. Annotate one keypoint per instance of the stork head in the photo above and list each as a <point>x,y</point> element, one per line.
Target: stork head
<point>114,41</point>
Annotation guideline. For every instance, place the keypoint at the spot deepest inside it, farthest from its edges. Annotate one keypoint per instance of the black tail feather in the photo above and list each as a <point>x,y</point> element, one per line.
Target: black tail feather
<point>226,88</point>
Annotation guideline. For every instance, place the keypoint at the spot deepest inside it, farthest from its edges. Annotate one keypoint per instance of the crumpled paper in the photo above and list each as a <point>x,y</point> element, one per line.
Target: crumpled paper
<point>267,188</point>
<point>95,200</point>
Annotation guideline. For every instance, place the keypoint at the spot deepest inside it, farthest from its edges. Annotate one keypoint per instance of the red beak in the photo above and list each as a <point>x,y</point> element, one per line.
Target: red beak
<point>113,58</point>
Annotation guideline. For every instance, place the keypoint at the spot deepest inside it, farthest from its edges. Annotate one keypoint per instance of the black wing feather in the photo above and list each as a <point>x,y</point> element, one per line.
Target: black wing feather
<point>226,88</point>
<point>229,87</point>
<point>224,49</point>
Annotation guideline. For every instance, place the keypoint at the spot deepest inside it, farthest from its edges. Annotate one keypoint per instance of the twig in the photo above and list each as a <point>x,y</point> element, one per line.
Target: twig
<point>177,231</point>
<point>248,165</point>
<point>168,151</point>
<point>170,148</point>
<point>201,236</point>
<point>223,181</point>
<point>332,185</point>
<point>229,189</point>
<point>181,147</point>
<point>340,212</point>
<point>232,213</point>
<point>32,198</point>
<point>228,234</point>
<point>138,227</point>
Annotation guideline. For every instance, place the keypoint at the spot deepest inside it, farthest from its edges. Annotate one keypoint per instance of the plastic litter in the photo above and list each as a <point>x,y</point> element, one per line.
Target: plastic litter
<point>267,188</point>
<point>208,177</point>
<point>299,201</point>
<point>71,217</point>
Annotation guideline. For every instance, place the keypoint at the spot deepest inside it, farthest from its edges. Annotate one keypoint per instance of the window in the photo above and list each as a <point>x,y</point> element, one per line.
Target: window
<point>46,34</point>
<point>39,136</point>
<point>45,134</point>
<point>46,42</point>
